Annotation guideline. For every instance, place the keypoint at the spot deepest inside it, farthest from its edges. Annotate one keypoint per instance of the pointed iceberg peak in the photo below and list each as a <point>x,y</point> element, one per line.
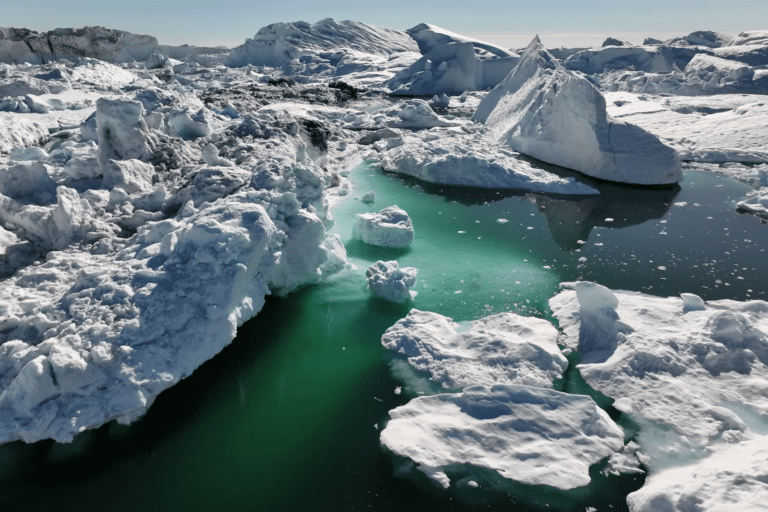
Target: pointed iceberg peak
<point>545,111</point>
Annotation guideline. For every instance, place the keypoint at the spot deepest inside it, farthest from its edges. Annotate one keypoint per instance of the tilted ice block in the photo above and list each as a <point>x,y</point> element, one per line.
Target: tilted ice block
<point>391,227</point>
<point>121,130</point>
<point>547,112</point>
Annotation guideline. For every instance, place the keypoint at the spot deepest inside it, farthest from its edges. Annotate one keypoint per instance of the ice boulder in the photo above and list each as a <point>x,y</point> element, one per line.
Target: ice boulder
<point>390,282</point>
<point>686,371</point>
<point>547,112</point>
<point>122,132</point>
<point>130,175</point>
<point>499,349</point>
<point>391,227</point>
<point>190,125</point>
<point>211,157</point>
<point>530,435</point>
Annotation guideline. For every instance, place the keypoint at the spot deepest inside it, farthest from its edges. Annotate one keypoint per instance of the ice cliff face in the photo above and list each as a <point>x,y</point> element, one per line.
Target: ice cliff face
<point>544,111</point>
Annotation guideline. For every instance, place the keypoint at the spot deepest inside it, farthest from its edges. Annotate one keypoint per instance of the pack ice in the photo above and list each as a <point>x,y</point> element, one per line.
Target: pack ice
<point>151,254</point>
<point>547,112</point>
<point>692,375</point>
<point>507,418</point>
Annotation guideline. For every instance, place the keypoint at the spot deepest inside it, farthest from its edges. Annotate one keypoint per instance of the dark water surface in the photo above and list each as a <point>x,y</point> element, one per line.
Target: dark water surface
<point>288,416</point>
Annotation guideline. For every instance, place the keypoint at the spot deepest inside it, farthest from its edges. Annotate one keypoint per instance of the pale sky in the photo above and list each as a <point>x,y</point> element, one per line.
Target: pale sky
<point>558,22</point>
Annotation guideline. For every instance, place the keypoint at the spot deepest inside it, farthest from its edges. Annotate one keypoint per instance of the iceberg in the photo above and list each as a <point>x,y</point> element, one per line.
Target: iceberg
<point>390,282</point>
<point>391,227</point>
<point>543,110</point>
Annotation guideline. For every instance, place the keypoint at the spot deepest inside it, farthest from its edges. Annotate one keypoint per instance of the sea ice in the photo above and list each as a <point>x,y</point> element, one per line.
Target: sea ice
<point>530,435</point>
<point>500,349</point>
<point>455,157</point>
<point>391,227</point>
<point>390,282</point>
<point>547,112</point>
<point>667,361</point>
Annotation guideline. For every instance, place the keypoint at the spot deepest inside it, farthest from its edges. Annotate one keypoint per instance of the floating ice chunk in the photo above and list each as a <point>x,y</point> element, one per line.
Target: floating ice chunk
<point>337,255</point>
<point>369,197</point>
<point>391,227</point>
<point>530,435</point>
<point>757,202</point>
<point>539,110</point>
<point>669,367</point>
<point>121,130</point>
<point>211,157</point>
<point>388,281</point>
<point>498,349</point>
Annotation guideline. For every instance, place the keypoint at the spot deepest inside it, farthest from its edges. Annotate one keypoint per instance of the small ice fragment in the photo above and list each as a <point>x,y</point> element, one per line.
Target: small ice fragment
<point>457,291</point>
<point>681,203</point>
<point>368,197</point>
<point>472,483</point>
<point>608,219</point>
<point>529,227</point>
<point>502,221</point>
<point>398,390</point>
<point>662,267</point>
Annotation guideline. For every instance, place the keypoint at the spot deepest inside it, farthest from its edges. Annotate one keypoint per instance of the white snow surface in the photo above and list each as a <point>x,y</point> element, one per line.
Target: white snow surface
<point>734,476</point>
<point>390,227</point>
<point>669,364</point>
<point>390,282</point>
<point>721,128</point>
<point>543,110</point>
<point>465,157</point>
<point>499,349</point>
<point>530,435</point>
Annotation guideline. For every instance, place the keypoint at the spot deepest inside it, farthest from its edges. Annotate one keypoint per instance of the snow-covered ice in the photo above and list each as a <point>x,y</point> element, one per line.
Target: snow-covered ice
<point>500,349</point>
<point>467,158</point>
<point>387,280</point>
<point>545,111</point>
<point>530,435</point>
<point>667,361</point>
<point>390,227</point>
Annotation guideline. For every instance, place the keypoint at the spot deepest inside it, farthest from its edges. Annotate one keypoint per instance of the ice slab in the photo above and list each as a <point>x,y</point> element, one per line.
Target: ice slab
<point>531,435</point>
<point>498,349</point>
<point>543,110</point>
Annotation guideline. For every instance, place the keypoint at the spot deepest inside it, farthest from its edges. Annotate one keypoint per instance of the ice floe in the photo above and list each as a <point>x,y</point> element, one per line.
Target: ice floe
<point>539,110</point>
<point>500,349</point>
<point>530,435</point>
<point>667,361</point>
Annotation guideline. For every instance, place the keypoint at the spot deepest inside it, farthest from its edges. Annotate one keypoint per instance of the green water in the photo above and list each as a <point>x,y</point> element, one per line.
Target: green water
<point>288,416</point>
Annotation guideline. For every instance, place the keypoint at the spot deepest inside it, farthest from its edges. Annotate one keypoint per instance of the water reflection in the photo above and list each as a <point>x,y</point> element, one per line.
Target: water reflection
<point>570,220</point>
